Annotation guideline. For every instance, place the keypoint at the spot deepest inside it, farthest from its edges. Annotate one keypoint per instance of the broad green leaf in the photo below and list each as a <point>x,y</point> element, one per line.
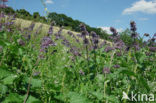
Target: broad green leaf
<point>98,94</point>
<point>112,99</point>
<point>9,80</point>
<point>77,98</point>
<point>32,99</point>
<point>13,98</point>
<point>3,89</point>
<point>4,73</point>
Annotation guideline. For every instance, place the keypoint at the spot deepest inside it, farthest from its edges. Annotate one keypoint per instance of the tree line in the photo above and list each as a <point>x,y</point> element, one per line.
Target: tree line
<point>60,20</point>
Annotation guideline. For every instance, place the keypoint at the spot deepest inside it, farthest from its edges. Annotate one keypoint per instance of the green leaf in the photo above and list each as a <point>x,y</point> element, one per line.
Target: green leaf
<point>98,94</point>
<point>32,99</point>
<point>128,72</point>
<point>143,82</point>
<point>112,98</point>
<point>3,89</point>
<point>4,73</point>
<point>77,98</point>
<point>35,83</point>
<point>13,98</point>
<point>9,80</point>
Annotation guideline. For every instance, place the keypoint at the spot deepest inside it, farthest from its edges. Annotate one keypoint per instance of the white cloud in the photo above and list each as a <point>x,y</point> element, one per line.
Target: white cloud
<point>148,7</point>
<point>107,29</point>
<point>143,19</point>
<point>49,2</point>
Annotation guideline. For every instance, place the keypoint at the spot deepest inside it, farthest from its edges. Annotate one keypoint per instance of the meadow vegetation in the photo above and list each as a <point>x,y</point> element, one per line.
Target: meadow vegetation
<point>41,63</point>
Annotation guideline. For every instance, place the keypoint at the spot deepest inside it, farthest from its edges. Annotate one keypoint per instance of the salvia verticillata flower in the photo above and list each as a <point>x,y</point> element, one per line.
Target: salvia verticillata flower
<point>136,46</point>
<point>93,34</point>
<point>50,32</point>
<point>114,31</point>
<point>109,48</point>
<point>72,35</point>
<point>116,66</point>
<point>153,39</point>
<point>146,34</point>
<point>1,48</point>
<point>31,27</point>
<point>106,70</point>
<point>119,53</point>
<point>66,43</point>
<point>119,45</point>
<point>152,49</point>
<point>36,73</point>
<point>84,33</point>
<point>134,35</point>
<point>82,27</point>
<point>38,29</point>
<point>148,53</point>
<point>86,41</point>
<point>133,26</point>
<point>60,31</point>
<point>46,42</point>
<point>1,27</point>
<point>21,42</point>
<point>81,72</point>
<point>74,51</point>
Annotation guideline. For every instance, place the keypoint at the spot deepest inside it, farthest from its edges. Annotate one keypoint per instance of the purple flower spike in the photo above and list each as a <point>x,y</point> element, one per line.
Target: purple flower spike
<point>146,34</point>
<point>81,72</point>
<point>133,26</point>
<point>82,27</point>
<point>116,66</point>
<point>152,49</point>
<point>46,42</point>
<point>108,48</point>
<point>106,70</point>
<point>114,31</point>
<point>21,42</point>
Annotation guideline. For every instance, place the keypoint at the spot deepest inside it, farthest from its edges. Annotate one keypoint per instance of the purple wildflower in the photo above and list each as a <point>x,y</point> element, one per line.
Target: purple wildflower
<point>46,42</point>
<point>152,49</point>
<point>82,27</point>
<point>134,35</point>
<point>118,54</point>
<point>136,46</point>
<point>86,41</point>
<point>74,51</point>
<point>50,32</point>
<point>108,48</point>
<point>114,31</point>
<point>81,72</point>
<point>66,43</point>
<point>146,34</point>
<point>38,29</point>
<point>106,70</point>
<point>36,73</point>
<point>116,66</point>
<point>31,27</point>
<point>93,34</point>
<point>1,49</point>
<point>21,42</point>
<point>133,26</point>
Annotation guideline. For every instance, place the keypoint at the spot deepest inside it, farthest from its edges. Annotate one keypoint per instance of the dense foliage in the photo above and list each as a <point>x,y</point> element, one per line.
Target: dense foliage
<point>63,67</point>
<point>59,68</point>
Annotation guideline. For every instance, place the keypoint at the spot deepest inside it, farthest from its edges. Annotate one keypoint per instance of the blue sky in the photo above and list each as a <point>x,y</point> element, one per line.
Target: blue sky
<point>99,13</point>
